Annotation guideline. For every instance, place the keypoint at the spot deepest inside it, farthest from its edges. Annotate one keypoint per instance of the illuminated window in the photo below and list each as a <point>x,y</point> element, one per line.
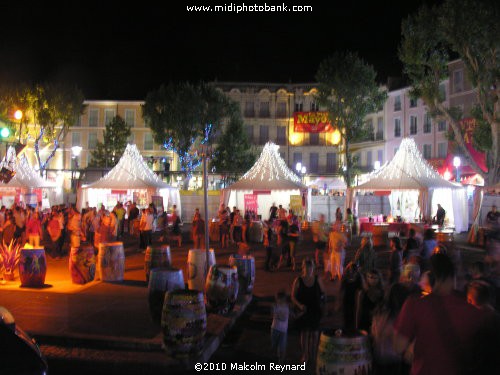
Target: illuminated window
<point>148,141</point>
<point>93,117</point>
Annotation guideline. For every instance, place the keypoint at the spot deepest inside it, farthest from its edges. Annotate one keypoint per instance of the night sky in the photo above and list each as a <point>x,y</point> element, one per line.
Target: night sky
<point>113,50</point>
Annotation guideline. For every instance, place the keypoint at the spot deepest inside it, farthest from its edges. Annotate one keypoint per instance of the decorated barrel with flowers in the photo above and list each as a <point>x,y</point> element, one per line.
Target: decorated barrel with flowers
<point>111,261</point>
<point>343,353</point>
<point>246,271</point>
<point>196,262</point>
<point>161,281</point>
<point>221,288</point>
<point>184,323</point>
<point>156,257</point>
<point>82,264</point>
<point>32,267</point>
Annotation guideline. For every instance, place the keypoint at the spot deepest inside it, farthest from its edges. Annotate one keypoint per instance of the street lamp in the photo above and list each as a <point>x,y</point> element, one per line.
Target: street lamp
<point>75,153</point>
<point>456,164</point>
<point>298,167</point>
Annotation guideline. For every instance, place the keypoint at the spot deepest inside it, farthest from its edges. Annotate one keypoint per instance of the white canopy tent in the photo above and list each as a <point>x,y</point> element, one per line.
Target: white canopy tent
<point>25,179</point>
<point>414,184</point>
<point>270,180</point>
<point>130,177</point>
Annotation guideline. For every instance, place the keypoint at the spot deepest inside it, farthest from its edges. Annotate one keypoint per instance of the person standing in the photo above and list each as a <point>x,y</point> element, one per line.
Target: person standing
<point>338,215</point>
<point>395,260</point>
<point>55,233</point>
<point>320,237</point>
<point>34,229</point>
<point>308,292</point>
<point>132,217</point>
<point>279,326</point>
<point>293,239</point>
<point>74,226</point>
<point>223,226</point>
<point>336,243</point>
<point>146,225</point>
<point>447,332</point>
<point>440,214</point>
<point>365,257</point>
<point>198,230</point>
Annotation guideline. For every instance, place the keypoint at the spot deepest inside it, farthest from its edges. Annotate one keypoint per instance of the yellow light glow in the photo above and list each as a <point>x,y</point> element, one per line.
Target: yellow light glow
<point>294,139</point>
<point>18,115</point>
<point>336,136</point>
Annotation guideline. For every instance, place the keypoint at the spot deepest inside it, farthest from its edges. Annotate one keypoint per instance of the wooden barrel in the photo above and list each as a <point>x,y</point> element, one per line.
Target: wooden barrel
<point>341,353</point>
<point>246,271</point>
<point>184,323</point>
<point>196,267</point>
<point>221,288</point>
<point>444,236</point>
<point>111,261</point>
<point>32,267</point>
<point>162,280</point>
<point>156,257</point>
<point>82,264</point>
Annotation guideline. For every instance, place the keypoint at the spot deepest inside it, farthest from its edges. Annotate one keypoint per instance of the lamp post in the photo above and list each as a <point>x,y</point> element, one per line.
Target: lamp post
<point>75,154</point>
<point>456,164</point>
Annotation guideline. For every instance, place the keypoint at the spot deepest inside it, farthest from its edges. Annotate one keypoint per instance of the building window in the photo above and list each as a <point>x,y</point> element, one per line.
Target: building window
<point>297,158</point>
<point>331,162</point>
<point>380,128</point>
<point>130,117</point>
<point>427,123</point>
<point>314,107</point>
<point>299,107</point>
<point>263,134</point>
<point>442,92</point>
<point>458,80</point>
<point>281,135</point>
<point>313,162</point>
<point>131,138</point>
<point>413,125</point>
<point>249,109</point>
<point>442,150</point>
<point>369,159</point>
<point>92,141</point>
<point>441,126</point>
<point>413,102</point>
<point>281,110</point>
<point>427,151</point>
<point>76,139</point>
<point>397,103</point>
<point>78,121</point>
<point>380,156</point>
<point>264,109</point>
<point>109,114</point>
<point>250,133</point>
<point>148,141</point>
<point>397,127</point>
<point>93,117</point>
<point>314,139</point>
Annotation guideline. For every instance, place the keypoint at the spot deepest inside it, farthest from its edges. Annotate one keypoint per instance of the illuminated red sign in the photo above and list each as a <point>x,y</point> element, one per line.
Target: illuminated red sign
<point>311,122</point>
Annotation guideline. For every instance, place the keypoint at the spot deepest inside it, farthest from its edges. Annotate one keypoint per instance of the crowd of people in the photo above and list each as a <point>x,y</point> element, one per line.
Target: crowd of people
<point>418,317</point>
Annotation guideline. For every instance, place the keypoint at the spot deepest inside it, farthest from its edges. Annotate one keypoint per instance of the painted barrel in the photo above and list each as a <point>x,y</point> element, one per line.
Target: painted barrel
<point>156,257</point>
<point>32,267</point>
<point>82,264</point>
<point>111,261</point>
<point>444,236</point>
<point>161,281</point>
<point>196,267</point>
<point>221,288</point>
<point>183,323</point>
<point>341,353</point>
<point>246,271</point>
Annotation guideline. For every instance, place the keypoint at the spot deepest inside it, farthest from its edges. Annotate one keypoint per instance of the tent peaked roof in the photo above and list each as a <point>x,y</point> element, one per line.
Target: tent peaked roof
<point>407,170</point>
<point>131,172</point>
<point>25,177</point>
<point>269,172</point>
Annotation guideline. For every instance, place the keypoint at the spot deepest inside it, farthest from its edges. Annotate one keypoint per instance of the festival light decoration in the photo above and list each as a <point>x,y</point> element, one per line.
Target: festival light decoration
<point>24,174</point>
<point>271,166</point>
<point>408,167</point>
<point>132,169</point>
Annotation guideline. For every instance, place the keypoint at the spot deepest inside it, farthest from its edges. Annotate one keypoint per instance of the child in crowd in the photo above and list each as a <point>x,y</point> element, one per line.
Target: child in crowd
<point>279,327</point>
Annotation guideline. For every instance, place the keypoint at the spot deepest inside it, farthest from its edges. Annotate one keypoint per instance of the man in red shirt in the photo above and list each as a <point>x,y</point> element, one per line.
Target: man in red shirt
<point>445,329</point>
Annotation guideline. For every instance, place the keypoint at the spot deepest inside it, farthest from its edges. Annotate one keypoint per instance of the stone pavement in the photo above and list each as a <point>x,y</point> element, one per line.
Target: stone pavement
<point>106,326</point>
